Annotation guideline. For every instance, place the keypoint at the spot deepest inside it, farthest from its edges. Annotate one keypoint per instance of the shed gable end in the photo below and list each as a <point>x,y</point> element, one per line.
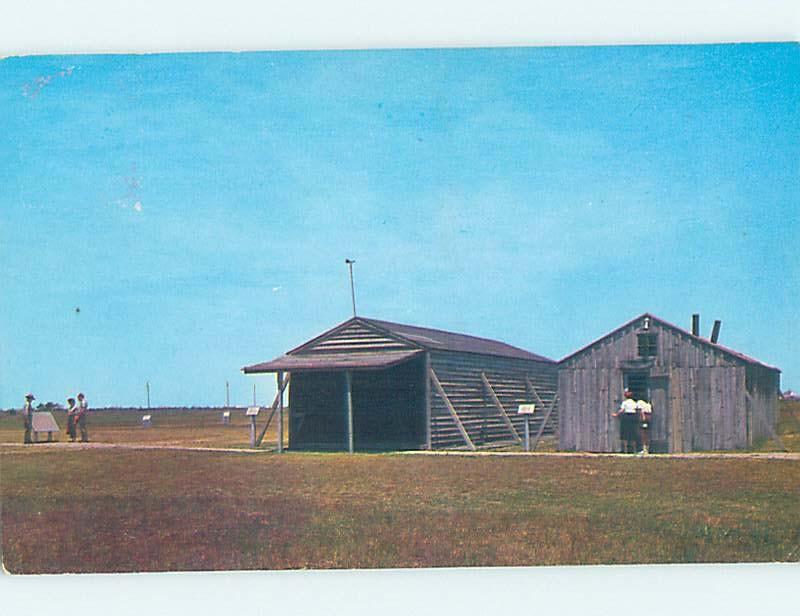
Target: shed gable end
<point>353,337</point>
<point>659,345</point>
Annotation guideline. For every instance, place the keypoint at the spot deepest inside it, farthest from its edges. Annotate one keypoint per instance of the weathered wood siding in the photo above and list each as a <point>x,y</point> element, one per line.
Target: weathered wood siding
<point>762,401</point>
<point>460,376</point>
<point>699,393</point>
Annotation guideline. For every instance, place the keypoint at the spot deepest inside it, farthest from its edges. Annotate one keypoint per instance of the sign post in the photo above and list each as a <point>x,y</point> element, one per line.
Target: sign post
<point>252,413</point>
<point>527,411</point>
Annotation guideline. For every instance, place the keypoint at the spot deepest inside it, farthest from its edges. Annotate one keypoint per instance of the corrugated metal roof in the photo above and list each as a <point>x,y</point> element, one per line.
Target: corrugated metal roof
<point>439,340</point>
<point>715,346</point>
<point>332,361</point>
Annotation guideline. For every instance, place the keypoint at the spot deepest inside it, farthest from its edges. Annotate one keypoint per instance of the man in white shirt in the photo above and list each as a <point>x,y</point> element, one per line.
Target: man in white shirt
<point>628,423</point>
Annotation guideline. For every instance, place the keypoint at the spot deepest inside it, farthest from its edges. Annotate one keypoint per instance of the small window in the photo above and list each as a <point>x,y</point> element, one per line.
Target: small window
<point>648,345</point>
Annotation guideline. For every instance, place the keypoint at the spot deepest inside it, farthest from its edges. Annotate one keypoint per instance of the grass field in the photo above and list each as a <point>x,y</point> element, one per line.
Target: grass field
<point>194,428</point>
<point>66,509</point>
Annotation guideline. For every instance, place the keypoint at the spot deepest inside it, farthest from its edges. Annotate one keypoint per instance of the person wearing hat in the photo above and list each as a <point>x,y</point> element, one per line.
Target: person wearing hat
<point>81,417</point>
<point>628,423</point>
<point>27,414</point>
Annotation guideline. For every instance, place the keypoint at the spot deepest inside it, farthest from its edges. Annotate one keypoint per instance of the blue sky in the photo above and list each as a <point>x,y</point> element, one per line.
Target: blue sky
<point>198,208</point>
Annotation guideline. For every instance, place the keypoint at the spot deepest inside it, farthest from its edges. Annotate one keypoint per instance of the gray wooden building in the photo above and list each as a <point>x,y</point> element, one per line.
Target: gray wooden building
<point>369,385</point>
<point>704,395</point>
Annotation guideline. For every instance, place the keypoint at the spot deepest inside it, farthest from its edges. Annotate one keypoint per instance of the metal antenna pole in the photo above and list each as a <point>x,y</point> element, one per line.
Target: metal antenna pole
<point>352,286</point>
<point>147,386</point>
<point>227,394</point>
<point>254,395</point>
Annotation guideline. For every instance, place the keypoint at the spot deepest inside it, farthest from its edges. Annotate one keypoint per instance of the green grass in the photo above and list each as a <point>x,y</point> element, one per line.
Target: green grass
<point>789,424</point>
<point>93,510</point>
<point>102,510</point>
<point>194,428</point>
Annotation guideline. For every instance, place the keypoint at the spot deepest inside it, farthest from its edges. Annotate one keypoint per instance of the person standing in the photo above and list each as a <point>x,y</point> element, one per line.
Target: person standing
<point>628,422</point>
<point>645,411</point>
<point>27,414</point>
<point>81,417</point>
<point>72,411</point>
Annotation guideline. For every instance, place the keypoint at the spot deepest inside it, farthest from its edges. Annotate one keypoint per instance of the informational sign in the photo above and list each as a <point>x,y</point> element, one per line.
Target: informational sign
<point>253,411</point>
<point>226,415</point>
<point>147,421</point>
<point>526,409</point>
<point>43,421</point>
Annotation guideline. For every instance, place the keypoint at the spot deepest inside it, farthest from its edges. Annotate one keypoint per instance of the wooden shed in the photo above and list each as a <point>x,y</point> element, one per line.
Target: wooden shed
<point>704,395</point>
<point>369,385</point>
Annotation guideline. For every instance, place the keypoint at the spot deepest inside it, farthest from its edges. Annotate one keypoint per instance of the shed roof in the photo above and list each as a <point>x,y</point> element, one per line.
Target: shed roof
<point>703,341</point>
<point>414,339</point>
<point>333,361</point>
<point>440,340</point>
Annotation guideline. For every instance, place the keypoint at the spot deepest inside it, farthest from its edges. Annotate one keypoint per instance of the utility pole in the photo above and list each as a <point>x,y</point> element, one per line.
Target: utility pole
<point>147,387</point>
<point>352,286</point>
<point>227,395</point>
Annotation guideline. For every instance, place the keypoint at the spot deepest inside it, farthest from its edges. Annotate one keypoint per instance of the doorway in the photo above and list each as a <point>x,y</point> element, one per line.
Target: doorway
<point>654,389</point>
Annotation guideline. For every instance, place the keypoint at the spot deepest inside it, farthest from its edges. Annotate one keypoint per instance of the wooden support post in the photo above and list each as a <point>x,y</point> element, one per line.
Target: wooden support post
<point>440,390</point>
<point>349,400</point>
<point>280,412</point>
<point>274,406</point>
<point>428,418</point>
<point>500,407</point>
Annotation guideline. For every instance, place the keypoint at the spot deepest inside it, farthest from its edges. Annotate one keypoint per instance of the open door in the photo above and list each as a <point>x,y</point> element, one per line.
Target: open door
<point>659,399</point>
<point>656,391</point>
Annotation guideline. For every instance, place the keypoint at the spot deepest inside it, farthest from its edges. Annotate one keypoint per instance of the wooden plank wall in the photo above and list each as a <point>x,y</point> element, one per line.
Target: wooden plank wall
<point>706,409</point>
<point>762,386</point>
<point>460,376</point>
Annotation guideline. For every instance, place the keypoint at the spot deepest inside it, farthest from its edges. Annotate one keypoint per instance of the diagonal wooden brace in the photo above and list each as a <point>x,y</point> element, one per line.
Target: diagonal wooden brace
<point>500,407</point>
<point>549,412</point>
<point>440,390</point>
<point>273,409</point>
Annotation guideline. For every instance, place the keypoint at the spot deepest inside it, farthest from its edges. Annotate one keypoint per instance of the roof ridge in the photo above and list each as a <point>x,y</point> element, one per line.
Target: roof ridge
<point>714,345</point>
<point>441,331</point>
<point>388,325</point>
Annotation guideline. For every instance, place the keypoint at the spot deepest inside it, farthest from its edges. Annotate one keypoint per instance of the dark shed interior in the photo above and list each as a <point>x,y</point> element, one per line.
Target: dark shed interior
<point>388,408</point>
